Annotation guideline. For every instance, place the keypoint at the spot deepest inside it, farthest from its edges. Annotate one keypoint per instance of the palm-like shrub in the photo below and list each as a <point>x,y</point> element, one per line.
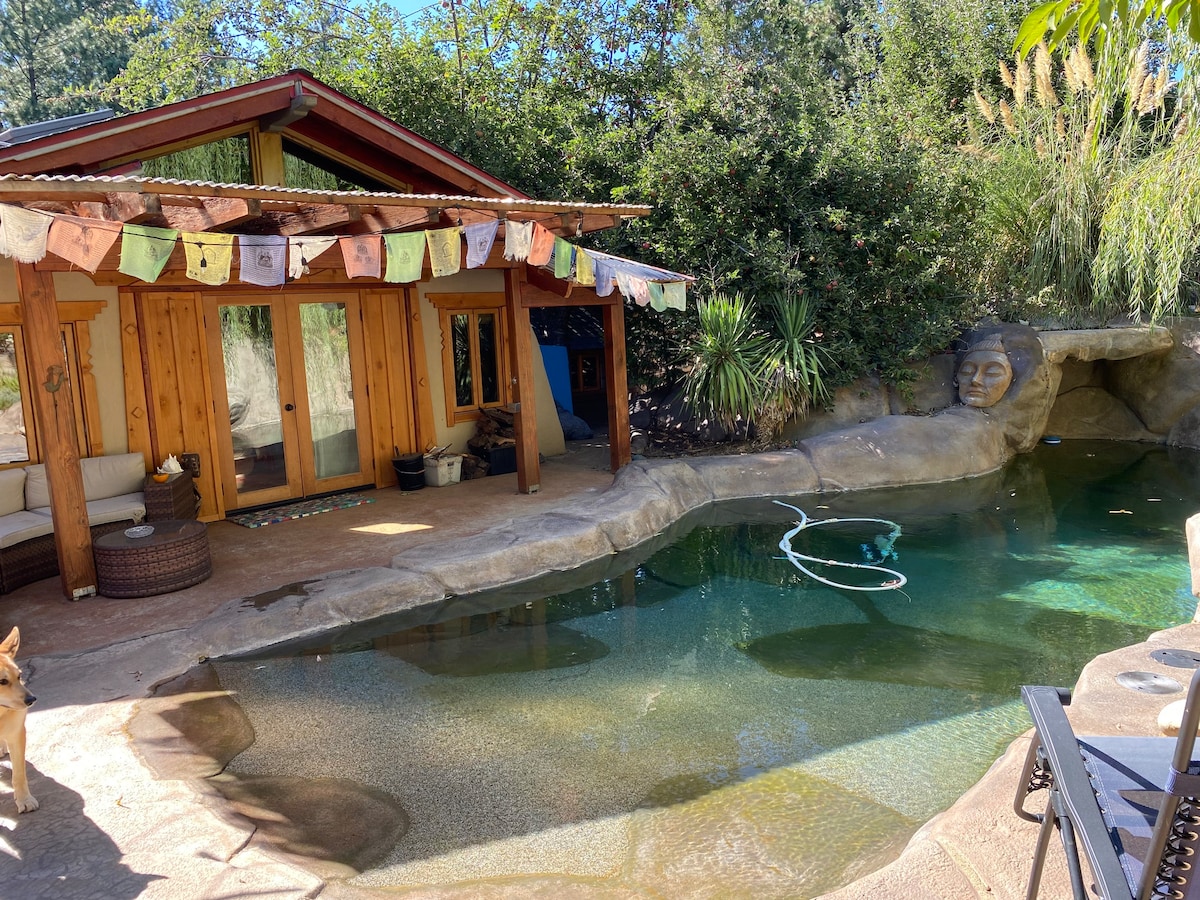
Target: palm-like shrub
<point>792,362</point>
<point>726,357</point>
<point>740,369</point>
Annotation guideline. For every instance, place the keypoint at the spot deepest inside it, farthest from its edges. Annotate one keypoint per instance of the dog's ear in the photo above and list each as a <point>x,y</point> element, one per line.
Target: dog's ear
<point>11,643</point>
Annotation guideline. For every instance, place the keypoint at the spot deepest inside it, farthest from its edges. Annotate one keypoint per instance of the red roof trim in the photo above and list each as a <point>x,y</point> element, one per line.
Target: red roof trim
<point>286,86</point>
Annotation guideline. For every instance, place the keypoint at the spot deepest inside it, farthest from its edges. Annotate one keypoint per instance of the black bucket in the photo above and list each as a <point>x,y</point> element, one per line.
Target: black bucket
<point>410,471</point>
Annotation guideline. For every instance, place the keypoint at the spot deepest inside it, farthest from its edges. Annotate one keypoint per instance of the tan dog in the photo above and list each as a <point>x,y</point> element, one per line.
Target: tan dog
<point>14,701</point>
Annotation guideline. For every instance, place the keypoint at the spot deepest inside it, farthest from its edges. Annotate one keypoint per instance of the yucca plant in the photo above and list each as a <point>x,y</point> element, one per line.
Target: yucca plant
<point>792,361</point>
<point>725,361</point>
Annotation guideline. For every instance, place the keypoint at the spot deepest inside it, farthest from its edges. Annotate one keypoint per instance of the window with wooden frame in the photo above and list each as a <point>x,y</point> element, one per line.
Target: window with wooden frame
<point>19,443</point>
<point>474,352</point>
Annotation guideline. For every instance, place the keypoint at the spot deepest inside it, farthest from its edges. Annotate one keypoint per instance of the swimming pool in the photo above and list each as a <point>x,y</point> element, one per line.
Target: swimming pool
<point>710,721</point>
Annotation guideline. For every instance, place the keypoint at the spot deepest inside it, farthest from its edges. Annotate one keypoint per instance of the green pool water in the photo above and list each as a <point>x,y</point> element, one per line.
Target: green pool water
<point>709,721</point>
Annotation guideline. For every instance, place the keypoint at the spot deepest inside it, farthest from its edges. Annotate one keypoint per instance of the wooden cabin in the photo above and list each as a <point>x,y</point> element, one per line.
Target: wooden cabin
<point>289,390</point>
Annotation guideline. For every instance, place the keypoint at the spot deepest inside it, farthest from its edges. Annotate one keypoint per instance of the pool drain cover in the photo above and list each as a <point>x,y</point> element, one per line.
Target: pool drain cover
<point>1149,682</point>
<point>1183,659</point>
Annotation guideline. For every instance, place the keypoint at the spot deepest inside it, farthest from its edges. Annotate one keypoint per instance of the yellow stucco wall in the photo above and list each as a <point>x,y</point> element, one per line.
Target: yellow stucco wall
<point>550,435</point>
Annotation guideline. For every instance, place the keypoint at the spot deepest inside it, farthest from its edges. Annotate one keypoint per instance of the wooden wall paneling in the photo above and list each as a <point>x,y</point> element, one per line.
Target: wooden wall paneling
<point>413,340</point>
<point>212,504</point>
<point>525,422</point>
<point>374,331</point>
<point>158,336</point>
<point>137,417</point>
<point>56,428</point>
<point>617,379</point>
<point>87,390</point>
<point>186,315</point>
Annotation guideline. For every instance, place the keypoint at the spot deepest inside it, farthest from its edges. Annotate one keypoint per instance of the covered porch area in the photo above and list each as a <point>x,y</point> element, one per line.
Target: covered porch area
<point>251,563</point>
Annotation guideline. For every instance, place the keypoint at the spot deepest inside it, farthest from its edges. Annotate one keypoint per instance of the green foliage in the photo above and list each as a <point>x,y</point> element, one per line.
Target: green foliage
<point>754,361</point>
<point>793,361</point>
<point>725,361</point>
<point>56,56</point>
<point>1150,233</point>
<point>1087,191</point>
<point>1056,20</point>
<point>10,391</point>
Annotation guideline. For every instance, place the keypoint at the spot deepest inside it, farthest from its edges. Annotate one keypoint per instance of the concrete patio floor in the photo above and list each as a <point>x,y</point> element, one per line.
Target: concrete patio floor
<point>109,828</point>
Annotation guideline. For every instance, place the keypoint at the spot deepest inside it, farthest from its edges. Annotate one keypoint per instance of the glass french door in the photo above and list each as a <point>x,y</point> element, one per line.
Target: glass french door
<point>288,371</point>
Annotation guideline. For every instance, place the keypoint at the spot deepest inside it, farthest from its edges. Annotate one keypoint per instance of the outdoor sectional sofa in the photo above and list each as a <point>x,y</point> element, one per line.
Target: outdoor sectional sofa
<point>112,487</point>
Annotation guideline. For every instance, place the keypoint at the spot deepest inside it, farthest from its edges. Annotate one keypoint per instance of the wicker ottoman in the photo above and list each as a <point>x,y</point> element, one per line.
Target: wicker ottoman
<point>173,557</point>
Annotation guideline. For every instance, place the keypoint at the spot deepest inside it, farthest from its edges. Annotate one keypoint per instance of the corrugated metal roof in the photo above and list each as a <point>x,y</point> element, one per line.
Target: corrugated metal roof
<point>60,184</point>
<point>19,134</point>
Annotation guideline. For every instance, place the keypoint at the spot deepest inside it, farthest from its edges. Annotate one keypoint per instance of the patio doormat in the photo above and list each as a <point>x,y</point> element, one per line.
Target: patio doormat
<point>299,510</point>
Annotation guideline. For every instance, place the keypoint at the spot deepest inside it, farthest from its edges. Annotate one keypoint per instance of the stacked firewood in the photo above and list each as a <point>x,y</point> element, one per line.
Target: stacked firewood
<point>493,429</point>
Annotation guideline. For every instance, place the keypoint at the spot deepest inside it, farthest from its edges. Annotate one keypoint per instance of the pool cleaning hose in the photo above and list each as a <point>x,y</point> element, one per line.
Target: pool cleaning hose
<point>882,549</point>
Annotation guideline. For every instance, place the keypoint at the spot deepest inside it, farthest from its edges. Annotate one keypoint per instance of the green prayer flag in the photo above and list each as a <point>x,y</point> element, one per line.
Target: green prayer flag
<point>405,256</point>
<point>657,302</point>
<point>564,255</point>
<point>674,294</point>
<point>145,250</point>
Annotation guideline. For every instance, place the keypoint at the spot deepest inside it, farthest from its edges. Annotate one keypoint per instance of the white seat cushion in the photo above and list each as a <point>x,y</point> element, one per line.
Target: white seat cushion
<point>18,527</point>
<point>110,509</point>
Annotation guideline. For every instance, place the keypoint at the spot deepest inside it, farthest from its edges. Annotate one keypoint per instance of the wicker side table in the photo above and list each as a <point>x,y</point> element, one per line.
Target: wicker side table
<point>175,498</point>
<point>173,557</point>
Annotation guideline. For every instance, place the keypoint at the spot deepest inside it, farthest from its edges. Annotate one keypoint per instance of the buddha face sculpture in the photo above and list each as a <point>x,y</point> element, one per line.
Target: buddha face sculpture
<point>984,374</point>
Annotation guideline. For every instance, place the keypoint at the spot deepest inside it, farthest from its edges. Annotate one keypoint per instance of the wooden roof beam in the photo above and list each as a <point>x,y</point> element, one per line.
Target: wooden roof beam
<point>133,208</point>
<point>211,214</point>
<point>301,218</point>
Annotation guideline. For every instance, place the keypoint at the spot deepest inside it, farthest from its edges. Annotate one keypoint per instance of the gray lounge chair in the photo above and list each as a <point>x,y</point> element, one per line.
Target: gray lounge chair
<point>1130,802</point>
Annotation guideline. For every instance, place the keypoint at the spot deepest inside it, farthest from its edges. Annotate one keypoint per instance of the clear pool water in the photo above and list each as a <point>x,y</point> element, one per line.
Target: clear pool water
<point>710,722</point>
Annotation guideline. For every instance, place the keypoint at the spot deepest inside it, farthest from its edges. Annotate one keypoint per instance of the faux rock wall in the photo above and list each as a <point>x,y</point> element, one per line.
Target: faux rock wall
<point>1139,384</point>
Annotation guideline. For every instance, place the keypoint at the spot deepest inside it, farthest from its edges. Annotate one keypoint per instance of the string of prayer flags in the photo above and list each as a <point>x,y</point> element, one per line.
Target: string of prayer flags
<point>270,260</point>
<point>405,256</point>
<point>675,295</point>
<point>209,256</point>
<point>303,250</point>
<point>518,236</point>
<point>480,238</point>
<point>445,250</point>
<point>264,259</point>
<point>564,255</point>
<point>82,241</point>
<point>361,253</point>
<point>23,234</point>
<point>145,251</point>
<point>541,246</point>
<point>585,274</point>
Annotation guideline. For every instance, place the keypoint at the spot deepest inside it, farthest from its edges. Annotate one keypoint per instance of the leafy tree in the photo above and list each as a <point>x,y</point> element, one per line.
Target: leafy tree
<point>56,56</point>
<point>1055,21</point>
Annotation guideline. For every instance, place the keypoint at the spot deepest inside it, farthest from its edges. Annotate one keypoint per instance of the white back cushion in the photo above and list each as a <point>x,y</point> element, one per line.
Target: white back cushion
<point>12,491</point>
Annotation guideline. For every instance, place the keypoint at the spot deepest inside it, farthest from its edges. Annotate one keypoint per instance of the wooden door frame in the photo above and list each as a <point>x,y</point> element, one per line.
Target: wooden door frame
<point>222,432</point>
<point>360,394</point>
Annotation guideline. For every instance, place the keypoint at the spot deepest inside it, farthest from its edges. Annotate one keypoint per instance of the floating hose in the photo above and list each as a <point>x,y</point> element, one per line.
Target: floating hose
<point>878,552</point>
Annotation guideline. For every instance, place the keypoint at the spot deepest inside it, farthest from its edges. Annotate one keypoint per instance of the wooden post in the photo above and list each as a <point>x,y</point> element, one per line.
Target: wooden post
<point>529,469</point>
<point>55,419</point>
<point>617,379</point>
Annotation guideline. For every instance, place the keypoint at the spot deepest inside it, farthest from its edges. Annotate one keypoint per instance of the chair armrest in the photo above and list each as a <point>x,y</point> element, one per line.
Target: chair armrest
<point>1072,791</point>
